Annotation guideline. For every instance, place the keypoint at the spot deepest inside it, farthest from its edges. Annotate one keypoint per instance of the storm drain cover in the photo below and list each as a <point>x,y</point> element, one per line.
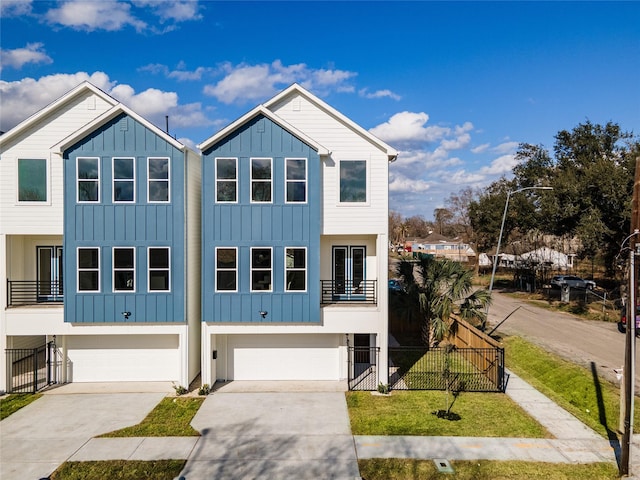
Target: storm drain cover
<point>443,465</point>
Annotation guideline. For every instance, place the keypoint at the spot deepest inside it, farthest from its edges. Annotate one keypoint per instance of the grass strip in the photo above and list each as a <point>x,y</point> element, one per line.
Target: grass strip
<point>170,418</point>
<point>15,401</point>
<point>593,400</point>
<point>119,470</point>
<point>407,469</point>
<point>410,413</point>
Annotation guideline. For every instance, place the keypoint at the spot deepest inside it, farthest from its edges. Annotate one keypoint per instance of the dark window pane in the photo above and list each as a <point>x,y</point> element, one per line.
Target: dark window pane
<point>261,169</point>
<point>159,168</point>
<point>32,180</point>
<point>296,191</point>
<point>123,168</point>
<point>88,191</point>
<point>296,258</point>
<point>226,258</point>
<point>226,192</point>
<point>159,280</point>
<point>296,169</point>
<point>88,281</point>
<point>88,168</point>
<point>261,280</point>
<point>88,258</point>
<point>226,169</point>
<point>123,258</point>
<point>261,258</point>
<point>123,280</point>
<point>353,181</point>
<point>261,191</point>
<point>158,191</point>
<point>123,191</point>
<point>226,280</point>
<point>296,280</point>
<point>158,258</point>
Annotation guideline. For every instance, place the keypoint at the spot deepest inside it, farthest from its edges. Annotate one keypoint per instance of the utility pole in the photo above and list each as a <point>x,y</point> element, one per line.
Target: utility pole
<point>630,344</point>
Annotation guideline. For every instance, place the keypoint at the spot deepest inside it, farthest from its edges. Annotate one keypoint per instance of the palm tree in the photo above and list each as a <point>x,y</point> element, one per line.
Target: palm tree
<point>438,288</point>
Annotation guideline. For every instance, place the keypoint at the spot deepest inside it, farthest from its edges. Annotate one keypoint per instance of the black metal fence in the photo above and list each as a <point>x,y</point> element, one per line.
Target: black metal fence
<point>26,292</point>
<point>363,368</point>
<point>31,369</point>
<point>334,291</point>
<point>462,369</point>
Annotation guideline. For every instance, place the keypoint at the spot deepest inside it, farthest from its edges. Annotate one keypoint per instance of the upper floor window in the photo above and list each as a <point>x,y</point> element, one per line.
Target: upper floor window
<point>158,188</point>
<point>226,269</point>
<point>261,269</point>
<point>295,269</point>
<point>123,180</point>
<point>226,180</point>
<point>88,179</point>
<point>296,180</point>
<point>88,269</point>
<point>32,180</point>
<point>353,181</point>
<point>159,270</point>
<point>261,177</point>
<point>124,269</point>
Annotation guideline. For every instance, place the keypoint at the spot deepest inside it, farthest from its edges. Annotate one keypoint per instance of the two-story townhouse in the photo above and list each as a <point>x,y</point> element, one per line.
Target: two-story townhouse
<point>294,272</point>
<point>31,221</point>
<point>99,218</point>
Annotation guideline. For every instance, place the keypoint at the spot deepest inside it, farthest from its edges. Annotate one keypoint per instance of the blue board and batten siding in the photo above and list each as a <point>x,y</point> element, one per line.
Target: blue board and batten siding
<point>277,225</point>
<point>139,224</point>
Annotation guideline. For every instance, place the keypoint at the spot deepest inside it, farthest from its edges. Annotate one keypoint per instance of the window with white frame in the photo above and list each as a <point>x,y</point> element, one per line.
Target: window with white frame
<point>295,269</point>
<point>88,179</point>
<point>226,180</point>
<point>158,187</point>
<point>32,180</point>
<point>296,180</point>
<point>261,180</point>
<point>159,269</point>
<point>88,269</point>
<point>261,266</point>
<point>226,269</point>
<point>124,269</point>
<point>353,181</point>
<point>124,181</point>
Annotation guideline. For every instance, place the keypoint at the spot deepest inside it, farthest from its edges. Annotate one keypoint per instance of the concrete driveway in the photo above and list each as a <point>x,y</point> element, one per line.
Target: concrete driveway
<point>253,434</point>
<point>35,440</point>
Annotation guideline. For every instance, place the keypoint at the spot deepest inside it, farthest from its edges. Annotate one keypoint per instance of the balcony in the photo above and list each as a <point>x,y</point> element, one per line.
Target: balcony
<point>346,291</point>
<point>33,292</point>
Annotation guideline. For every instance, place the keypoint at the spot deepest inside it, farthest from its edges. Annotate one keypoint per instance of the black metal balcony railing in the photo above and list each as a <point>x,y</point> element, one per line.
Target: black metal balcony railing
<point>28,292</point>
<point>335,291</point>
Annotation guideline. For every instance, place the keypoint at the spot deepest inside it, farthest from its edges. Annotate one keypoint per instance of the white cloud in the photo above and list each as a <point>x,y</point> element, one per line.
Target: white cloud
<point>174,10</point>
<point>480,148</point>
<point>399,183</point>
<point>107,15</point>
<point>506,147</point>
<point>15,8</point>
<point>246,82</point>
<point>379,94</point>
<point>180,74</point>
<point>409,127</point>
<point>32,53</point>
<point>501,165</point>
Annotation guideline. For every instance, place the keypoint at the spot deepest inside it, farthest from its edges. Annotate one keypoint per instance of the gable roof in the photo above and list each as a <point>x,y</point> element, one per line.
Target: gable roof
<point>261,110</point>
<point>391,152</point>
<point>110,114</point>
<point>56,104</point>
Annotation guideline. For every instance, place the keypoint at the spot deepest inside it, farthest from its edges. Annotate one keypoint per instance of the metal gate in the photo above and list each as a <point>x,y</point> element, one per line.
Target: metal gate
<point>363,368</point>
<point>31,369</point>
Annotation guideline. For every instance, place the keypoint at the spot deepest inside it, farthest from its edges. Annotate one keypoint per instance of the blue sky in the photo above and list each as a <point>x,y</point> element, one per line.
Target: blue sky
<point>454,86</point>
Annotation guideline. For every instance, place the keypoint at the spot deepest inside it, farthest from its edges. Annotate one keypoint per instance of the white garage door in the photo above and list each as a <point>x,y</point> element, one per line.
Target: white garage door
<point>284,357</point>
<point>123,358</point>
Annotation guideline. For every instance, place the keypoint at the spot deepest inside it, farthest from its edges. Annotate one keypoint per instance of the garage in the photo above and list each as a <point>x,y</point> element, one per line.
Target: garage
<point>281,357</point>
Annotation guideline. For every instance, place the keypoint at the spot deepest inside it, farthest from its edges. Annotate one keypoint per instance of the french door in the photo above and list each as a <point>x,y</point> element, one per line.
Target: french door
<point>348,271</point>
<point>50,285</point>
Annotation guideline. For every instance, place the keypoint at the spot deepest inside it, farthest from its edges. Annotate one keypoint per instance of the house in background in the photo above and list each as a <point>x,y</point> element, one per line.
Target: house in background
<point>443,247</point>
<point>549,258</point>
<point>100,217</point>
<point>294,261</point>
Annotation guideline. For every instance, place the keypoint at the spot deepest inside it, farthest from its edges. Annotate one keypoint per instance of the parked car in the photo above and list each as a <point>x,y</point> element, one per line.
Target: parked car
<point>572,281</point>
<point>622,324</point>
<point>395,286</point>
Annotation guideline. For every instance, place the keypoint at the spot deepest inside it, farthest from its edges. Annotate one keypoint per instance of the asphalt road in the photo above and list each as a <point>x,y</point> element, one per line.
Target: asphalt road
<point>577,340</point>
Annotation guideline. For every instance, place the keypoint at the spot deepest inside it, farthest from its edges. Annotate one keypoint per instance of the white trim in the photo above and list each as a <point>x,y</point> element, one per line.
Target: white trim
<point>123,269</point>
<point>261,269</point>
<point>215,269</point>
<point>339,202</point>
<point>260,180</point>
<point>87,180</point>
<point>294,269</point>
<point>158,269</point>
<point>128,180</point>
<point>215,176</point>
<point>47,201</point>
<point>79,269</point>
<point>306,180</point>
<point>168,180</point>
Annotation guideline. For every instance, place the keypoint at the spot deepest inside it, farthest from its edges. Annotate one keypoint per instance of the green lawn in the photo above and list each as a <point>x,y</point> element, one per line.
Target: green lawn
<point>410,413</point>
<point>170,418</point>
<point>119,470</point>
<point>15,401</point>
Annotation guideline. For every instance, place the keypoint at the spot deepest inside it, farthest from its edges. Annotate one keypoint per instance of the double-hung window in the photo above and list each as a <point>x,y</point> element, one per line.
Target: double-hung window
<point>88,179</point>
<point>88,269</point>
<point>296,180</point>
<point>226,269</point>
<point>261,266</point>
<point>353,181</point>
<point>32,180</point>
<point>124,269</point>
<point>295,269</point>
<point>158,262</point>
<point>158,187</point>
<point>261,180</point>
<point>124,180</point>
<point>226,180</point>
